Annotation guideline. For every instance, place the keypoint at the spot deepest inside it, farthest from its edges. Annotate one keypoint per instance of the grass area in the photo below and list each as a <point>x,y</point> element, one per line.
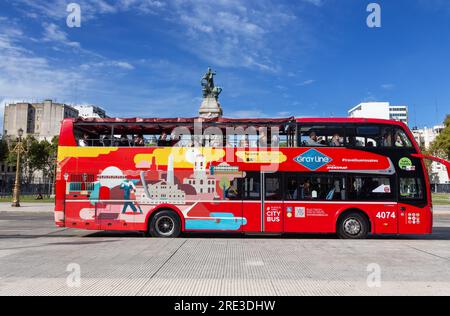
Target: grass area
<point>28,199</point>
<point>441,199</point>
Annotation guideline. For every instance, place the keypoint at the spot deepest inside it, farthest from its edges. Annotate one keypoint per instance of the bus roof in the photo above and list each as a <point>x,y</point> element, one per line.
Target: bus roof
<point>258,121</point>
<point>349,120</point>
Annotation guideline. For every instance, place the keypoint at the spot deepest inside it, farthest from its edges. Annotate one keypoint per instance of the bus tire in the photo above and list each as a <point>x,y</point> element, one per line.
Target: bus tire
<point>353,225</point>
<point>165,224</point>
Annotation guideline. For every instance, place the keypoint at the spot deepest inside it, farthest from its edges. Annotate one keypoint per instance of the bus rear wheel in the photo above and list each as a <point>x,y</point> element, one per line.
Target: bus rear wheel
<point>165,224</point>
<point>353,225</point>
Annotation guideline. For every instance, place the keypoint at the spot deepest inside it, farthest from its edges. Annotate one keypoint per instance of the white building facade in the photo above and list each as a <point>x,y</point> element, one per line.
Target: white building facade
<point>380,110</point>
<point>425,137</point>
<point>90,111</point>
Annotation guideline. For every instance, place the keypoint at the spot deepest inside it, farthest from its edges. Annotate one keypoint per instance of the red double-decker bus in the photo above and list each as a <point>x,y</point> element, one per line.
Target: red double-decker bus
<point>352,177</point>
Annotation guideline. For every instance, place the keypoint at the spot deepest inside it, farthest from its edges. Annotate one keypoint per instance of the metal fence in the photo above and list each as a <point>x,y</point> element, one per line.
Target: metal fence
<point>45,189</point>
<point>440,188</point>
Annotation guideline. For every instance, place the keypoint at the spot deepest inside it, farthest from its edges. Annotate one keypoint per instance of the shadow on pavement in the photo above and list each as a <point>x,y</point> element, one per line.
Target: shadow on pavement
<point>440,233</point>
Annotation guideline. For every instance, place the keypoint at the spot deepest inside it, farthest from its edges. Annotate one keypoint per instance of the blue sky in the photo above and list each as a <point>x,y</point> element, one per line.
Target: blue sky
<point>273,57</point>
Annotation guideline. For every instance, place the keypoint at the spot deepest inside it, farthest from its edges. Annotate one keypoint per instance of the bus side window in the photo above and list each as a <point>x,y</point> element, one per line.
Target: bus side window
<point>273,187</point>
<point>370,188</point>
<point>252,186</point>
<point>411,189</point>
<point>401,140</point>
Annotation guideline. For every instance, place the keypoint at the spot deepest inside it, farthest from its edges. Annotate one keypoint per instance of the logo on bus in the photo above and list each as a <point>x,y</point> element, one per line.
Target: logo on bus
<point>313,159</point>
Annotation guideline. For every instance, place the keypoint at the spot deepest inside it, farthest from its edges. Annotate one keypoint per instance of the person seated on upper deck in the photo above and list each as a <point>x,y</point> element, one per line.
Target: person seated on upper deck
<point>139,141</point>
<point>84,141</point>
<point>336,141</point>
<point>244,143</point>
<point>262,140</point>
<point>163,140</point>
<point>107,141</point>
<point>275,141</point>
<point>399,141</point>
<point>387,140</point>
<point>312,140</point>
<point>124,141</point>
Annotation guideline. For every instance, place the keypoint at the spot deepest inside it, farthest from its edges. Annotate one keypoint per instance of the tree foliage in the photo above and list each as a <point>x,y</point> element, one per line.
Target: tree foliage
<point>37,156</point>
<point>441,146</point>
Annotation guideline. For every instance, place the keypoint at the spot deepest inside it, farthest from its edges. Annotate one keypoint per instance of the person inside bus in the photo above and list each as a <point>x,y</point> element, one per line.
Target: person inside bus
<point>262,140</point>
<point>399,141</point>
<point>163,140</point>
<point>84,141</point>
<point>336,141</point>
<point>312,140</point>
<point>305,190</point>
<point>293,190</point>
<point>107,141</point>
<point>275,141</point>
<point>139,141</point>
<point>244,143</point>
<point>387,140</point>
<point>124,141</point>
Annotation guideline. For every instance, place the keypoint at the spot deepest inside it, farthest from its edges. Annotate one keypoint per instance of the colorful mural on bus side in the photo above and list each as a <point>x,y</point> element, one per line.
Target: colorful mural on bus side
<point>119,188</point>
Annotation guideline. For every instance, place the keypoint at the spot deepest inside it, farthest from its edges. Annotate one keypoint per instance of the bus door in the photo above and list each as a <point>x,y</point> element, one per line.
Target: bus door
<point>262,203</point>
<point>272,203</point>
<point>414,215</point>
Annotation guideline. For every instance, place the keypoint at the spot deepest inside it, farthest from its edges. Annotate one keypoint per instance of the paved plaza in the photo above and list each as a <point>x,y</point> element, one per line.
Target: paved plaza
<point>37,258</point>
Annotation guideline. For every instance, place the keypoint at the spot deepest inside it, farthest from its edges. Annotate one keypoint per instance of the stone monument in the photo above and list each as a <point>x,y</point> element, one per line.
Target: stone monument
<point>210,107</point>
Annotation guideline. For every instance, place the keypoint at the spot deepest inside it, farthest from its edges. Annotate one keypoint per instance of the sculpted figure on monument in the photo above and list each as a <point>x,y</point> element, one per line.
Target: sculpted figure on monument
<point>209,89</point>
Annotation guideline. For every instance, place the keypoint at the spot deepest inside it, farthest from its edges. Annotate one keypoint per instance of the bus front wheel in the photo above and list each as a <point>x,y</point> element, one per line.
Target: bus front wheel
<point>353,225</point>
<point>165,224</point>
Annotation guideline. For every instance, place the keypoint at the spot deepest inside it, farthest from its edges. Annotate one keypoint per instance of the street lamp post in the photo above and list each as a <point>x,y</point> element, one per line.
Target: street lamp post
<point>18,149</point>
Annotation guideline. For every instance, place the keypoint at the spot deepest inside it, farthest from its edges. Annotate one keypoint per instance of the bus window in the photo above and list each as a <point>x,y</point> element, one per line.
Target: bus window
<point>273,187</point>
<point>320,188</point>
<point>401,140</point>
<point>386,137</point>
<point>368,188</point>
<point>363,136</point>
<point>321,136</point>
<point>252,186</point>
<point>411,189</point>
<point>292,188</point>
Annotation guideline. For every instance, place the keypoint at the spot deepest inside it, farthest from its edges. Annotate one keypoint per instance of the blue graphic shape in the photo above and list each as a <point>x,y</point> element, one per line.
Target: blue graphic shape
<point>217,222</point>
<point>95,194</point>
<point>313,159</point>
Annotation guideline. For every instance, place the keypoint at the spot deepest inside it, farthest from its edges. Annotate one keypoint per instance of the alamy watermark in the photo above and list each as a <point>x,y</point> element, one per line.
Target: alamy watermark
<point>374,18</point>
<point>74,17</point>
<point>74,278</point>
<point>374,277</point>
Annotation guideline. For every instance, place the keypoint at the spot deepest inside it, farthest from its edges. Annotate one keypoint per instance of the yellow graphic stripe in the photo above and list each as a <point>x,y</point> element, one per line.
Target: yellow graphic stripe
<point>83,152</point>
<point>182,157</point>
<point>271,157</point>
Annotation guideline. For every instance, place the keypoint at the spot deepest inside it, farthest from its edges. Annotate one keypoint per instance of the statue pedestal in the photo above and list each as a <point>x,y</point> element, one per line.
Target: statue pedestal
<point>210,108</point>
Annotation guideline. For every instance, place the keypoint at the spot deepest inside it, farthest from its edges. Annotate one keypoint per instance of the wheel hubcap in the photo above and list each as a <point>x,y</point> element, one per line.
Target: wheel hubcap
<point>165,226</point>
<point>352,226</point>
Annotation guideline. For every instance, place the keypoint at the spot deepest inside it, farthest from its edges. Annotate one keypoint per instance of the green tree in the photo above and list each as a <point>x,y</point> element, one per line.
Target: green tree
<point>441,146</point>
<point>4,150</point>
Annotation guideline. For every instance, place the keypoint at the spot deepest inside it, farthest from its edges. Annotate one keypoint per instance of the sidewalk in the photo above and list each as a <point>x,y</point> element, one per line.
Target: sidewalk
<point>28,207</point>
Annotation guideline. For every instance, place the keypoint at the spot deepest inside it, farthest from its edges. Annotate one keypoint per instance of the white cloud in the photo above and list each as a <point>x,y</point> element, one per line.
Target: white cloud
<point>307,83</point>
<point>226,33</point>
<point>52,33</point>
<point>110,63</point>
<point>231,33</point>
<point>388,86</point>
<point>27,76</point>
